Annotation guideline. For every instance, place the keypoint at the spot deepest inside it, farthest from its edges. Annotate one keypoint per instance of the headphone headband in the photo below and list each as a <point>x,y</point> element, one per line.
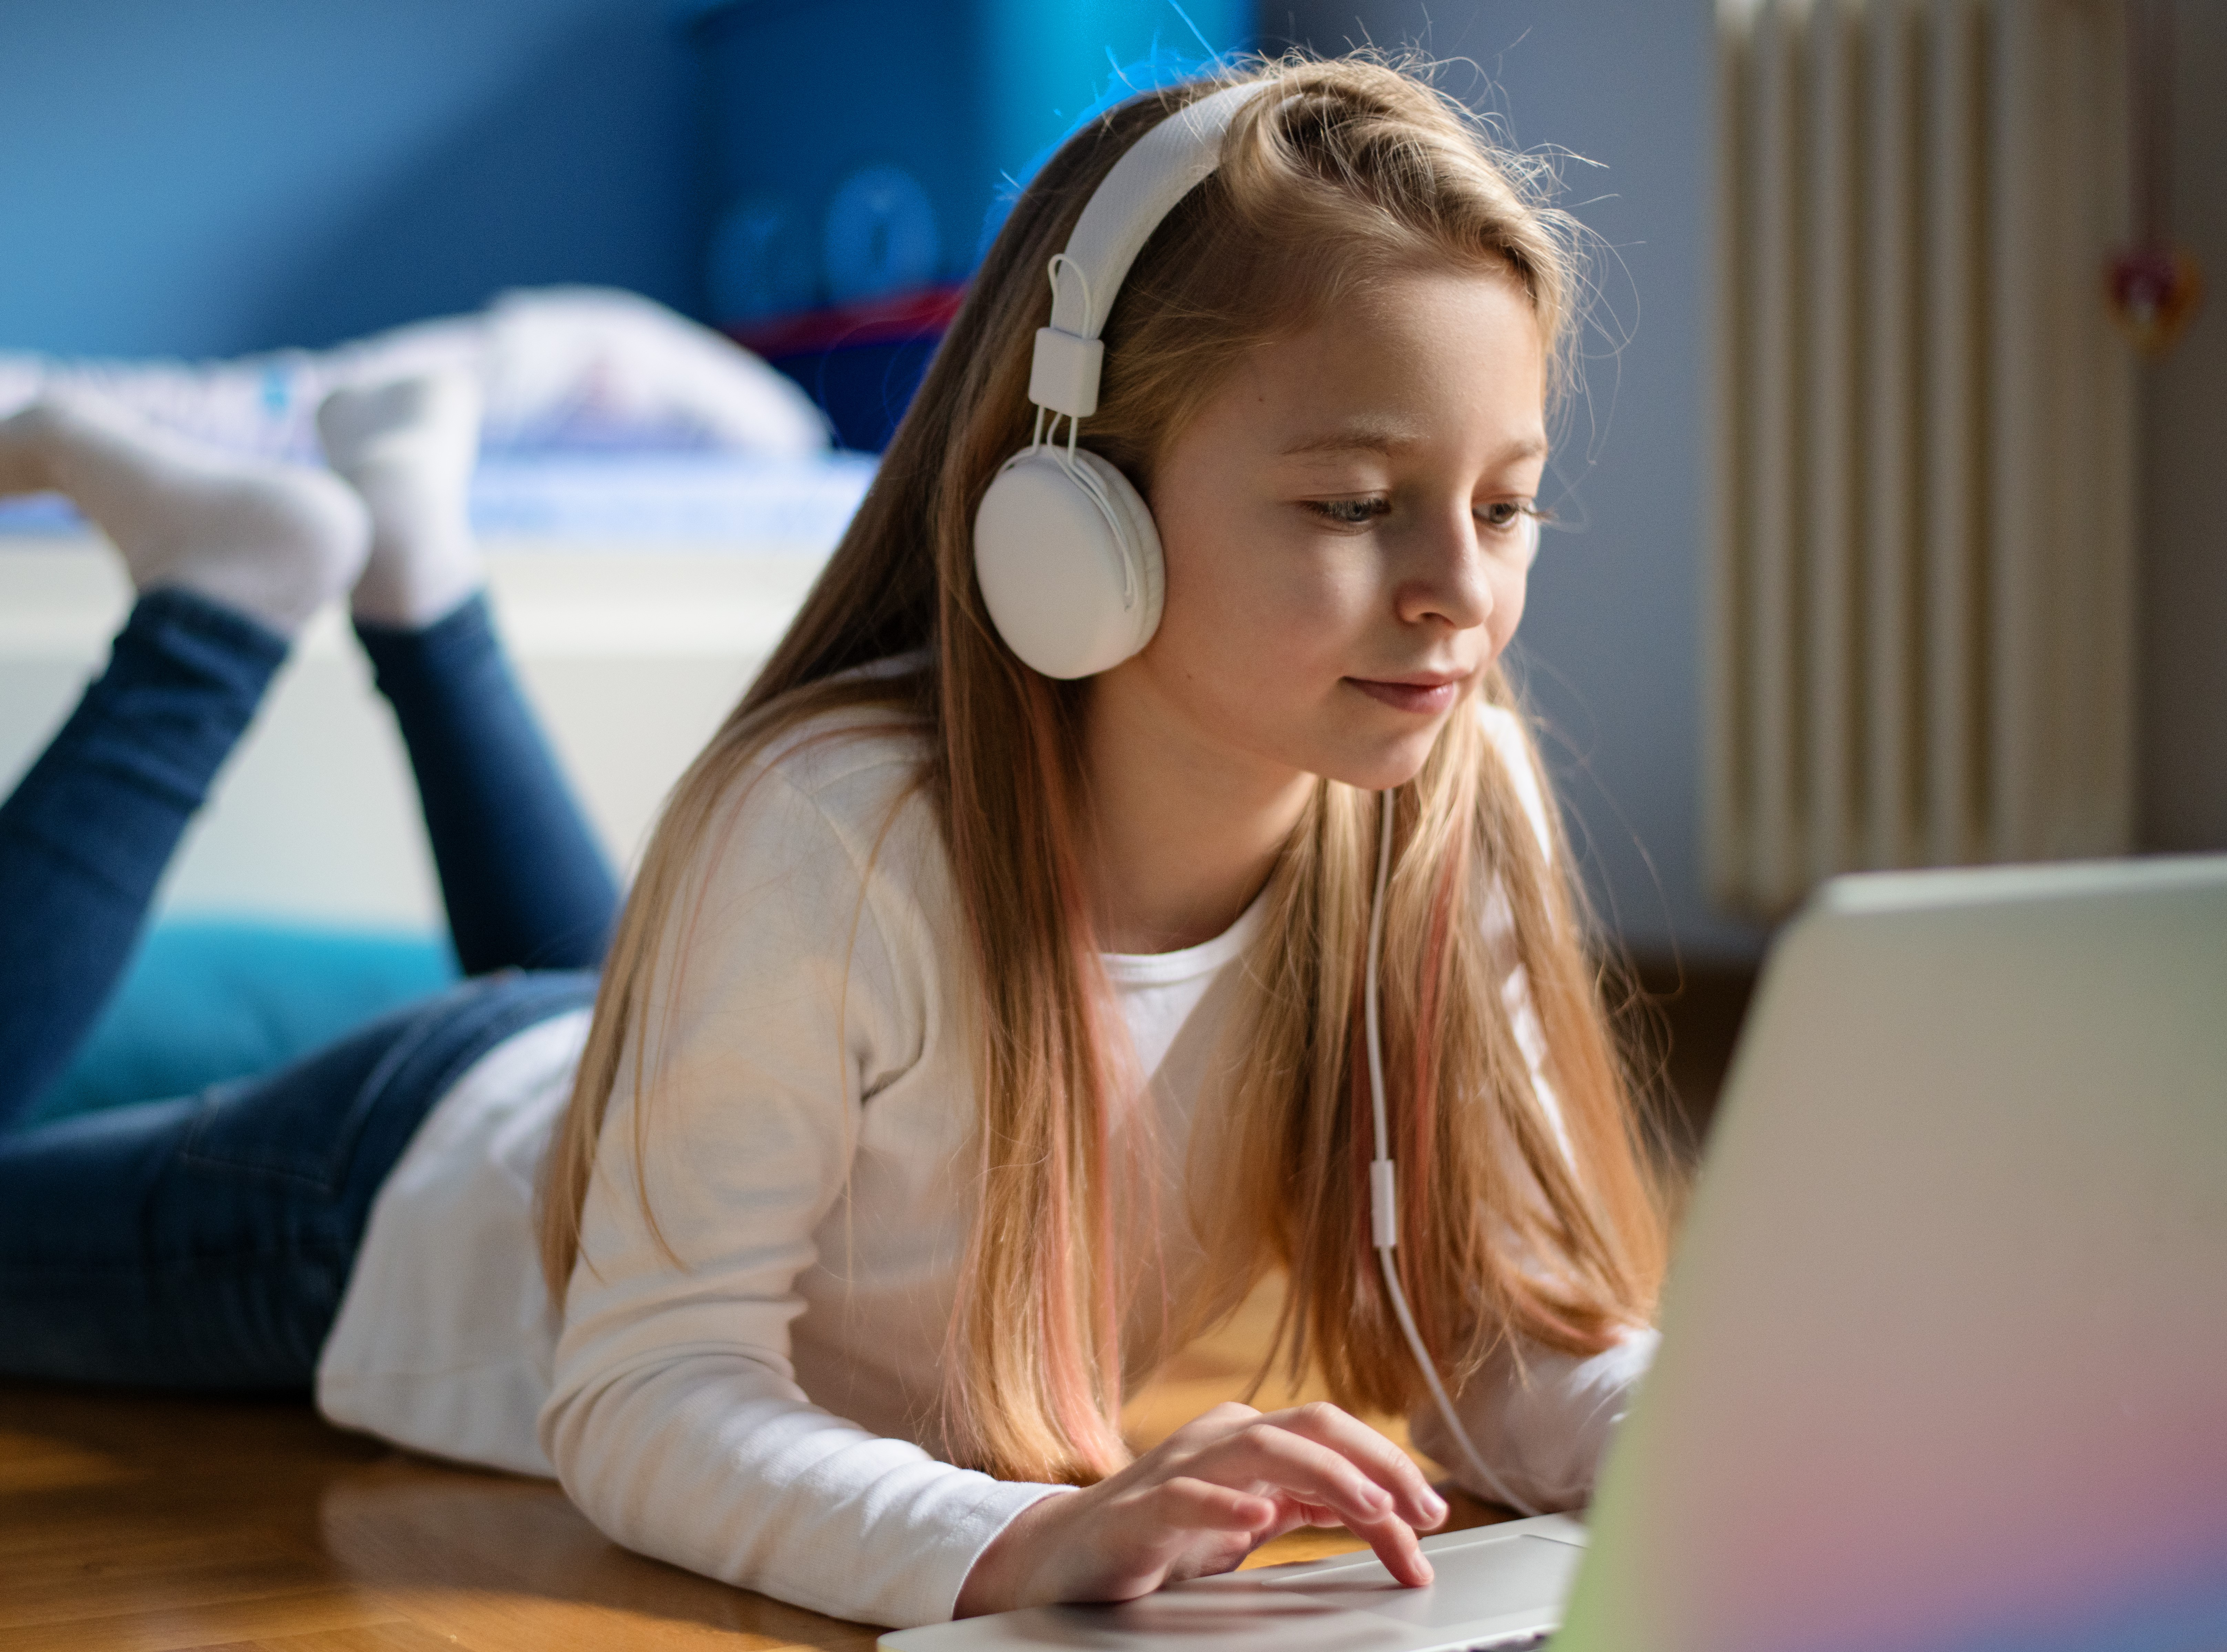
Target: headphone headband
<point>1065,549</point>
<point>1160,169</point>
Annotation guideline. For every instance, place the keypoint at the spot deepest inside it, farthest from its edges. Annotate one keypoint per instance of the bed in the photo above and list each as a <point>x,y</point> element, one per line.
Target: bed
<point>639,592</point>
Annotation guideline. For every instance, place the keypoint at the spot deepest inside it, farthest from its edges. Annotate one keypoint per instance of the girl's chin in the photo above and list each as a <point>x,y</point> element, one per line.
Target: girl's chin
<point>1382,766</point>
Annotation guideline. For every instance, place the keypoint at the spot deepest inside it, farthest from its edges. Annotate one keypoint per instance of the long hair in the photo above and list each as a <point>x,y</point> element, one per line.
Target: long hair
<point>1345,172</point>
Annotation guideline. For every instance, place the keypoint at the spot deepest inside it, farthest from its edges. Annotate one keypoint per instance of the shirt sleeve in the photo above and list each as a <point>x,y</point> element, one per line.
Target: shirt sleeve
<point>1541,1420</point>
<point>675,1420</point>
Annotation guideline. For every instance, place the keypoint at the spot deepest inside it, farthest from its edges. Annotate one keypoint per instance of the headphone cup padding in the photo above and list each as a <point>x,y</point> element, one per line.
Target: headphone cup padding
<point>1140,543</point>
<point>1069,565</point>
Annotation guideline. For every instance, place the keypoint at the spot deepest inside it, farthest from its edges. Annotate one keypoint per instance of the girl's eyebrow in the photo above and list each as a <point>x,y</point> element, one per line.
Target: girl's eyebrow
<point>1359,436</point>
<point>1382,437</point>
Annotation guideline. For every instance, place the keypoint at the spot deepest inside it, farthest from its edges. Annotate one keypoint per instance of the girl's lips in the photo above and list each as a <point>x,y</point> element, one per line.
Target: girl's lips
<point>1427,699</point>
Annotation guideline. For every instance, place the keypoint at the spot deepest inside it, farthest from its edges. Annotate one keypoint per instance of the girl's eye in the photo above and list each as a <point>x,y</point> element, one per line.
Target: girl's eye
<point>1507,513</point>
<point>1349,513</point>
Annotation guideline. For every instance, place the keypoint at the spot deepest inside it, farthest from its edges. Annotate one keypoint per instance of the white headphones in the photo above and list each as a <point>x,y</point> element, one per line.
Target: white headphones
<point>1064,546</point>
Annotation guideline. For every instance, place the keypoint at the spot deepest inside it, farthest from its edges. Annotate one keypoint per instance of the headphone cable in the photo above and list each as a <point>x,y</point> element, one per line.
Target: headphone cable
<point>1383,1190</point>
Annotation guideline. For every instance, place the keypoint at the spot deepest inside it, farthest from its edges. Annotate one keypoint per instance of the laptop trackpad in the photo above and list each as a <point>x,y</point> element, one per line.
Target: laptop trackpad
<point>1516,1575</point>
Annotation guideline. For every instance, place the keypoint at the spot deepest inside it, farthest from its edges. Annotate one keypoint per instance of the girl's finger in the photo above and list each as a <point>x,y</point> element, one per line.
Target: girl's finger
<point>1202,1506</point>
<point>1369,1452</point>
<point>1308,1471</point>
<point>1395,1545</point>
<point>1208,1425</point>
<point>1300,1468</point>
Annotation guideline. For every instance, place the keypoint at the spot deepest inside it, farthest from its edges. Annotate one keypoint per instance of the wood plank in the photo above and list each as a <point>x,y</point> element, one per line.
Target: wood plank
<point>30,1463</point>
<point>176,1628</point>
<point>214,1572</point>
<point>373,1637</point>
<point>499,1563</point>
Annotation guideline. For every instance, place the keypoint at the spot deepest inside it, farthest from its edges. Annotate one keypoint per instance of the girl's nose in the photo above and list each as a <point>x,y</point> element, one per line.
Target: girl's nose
<point>1442,572</point>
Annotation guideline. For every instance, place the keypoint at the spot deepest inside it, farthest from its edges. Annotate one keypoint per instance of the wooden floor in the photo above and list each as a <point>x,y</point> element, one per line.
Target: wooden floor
<point>160,1525</point>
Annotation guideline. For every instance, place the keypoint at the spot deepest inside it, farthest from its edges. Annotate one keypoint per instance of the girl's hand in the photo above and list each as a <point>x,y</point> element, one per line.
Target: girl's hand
<point>1203,1499</point>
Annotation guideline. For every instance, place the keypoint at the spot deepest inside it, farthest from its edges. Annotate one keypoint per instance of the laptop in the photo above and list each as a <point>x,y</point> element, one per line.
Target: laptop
<point>1944,1357</point>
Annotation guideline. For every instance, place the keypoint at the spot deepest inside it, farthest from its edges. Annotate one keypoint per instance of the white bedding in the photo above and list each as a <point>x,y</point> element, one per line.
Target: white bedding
<point>745,504</point>
<point>569,369</point>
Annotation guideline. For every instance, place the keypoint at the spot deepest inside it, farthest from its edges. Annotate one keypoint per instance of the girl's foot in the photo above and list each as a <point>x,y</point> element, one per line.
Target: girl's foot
<point>271,541</point>
<point>408,447</point>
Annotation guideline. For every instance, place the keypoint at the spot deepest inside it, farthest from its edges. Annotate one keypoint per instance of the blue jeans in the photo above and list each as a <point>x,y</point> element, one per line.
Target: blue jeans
<point>204,1242</point>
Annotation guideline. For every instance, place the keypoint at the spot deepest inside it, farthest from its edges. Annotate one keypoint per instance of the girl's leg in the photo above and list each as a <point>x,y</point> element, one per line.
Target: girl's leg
<point>205,1243</point>
<point>524,881</point>
<point>232,557</point>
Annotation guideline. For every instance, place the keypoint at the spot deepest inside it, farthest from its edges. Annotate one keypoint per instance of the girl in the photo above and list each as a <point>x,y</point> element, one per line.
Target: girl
<point>972,1037</point>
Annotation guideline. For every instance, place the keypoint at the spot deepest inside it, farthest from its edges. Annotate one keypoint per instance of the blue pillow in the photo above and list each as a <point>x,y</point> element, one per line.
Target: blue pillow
<point>209,1000</point>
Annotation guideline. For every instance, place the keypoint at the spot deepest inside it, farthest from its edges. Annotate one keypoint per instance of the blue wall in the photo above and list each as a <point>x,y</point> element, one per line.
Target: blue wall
<point>890,172</point>
<point>227,175</point>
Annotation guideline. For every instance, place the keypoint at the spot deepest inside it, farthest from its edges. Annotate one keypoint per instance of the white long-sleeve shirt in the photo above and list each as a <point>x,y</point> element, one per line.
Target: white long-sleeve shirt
<point>750,1390</point>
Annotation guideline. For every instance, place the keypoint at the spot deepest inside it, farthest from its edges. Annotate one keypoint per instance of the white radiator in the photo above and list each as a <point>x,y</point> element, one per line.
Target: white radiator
<point>1922,567</point>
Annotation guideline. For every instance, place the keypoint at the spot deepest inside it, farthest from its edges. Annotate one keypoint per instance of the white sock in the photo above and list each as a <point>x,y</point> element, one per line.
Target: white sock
<point>408,447</point>
<point>269,540</point>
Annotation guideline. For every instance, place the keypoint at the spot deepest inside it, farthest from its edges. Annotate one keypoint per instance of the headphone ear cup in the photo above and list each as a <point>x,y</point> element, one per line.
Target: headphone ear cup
<point>1140,546</point>
<point>1068,560</point>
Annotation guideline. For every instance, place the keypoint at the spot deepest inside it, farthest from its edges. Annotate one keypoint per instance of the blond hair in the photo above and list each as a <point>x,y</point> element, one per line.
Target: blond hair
<point>1349,171</point>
